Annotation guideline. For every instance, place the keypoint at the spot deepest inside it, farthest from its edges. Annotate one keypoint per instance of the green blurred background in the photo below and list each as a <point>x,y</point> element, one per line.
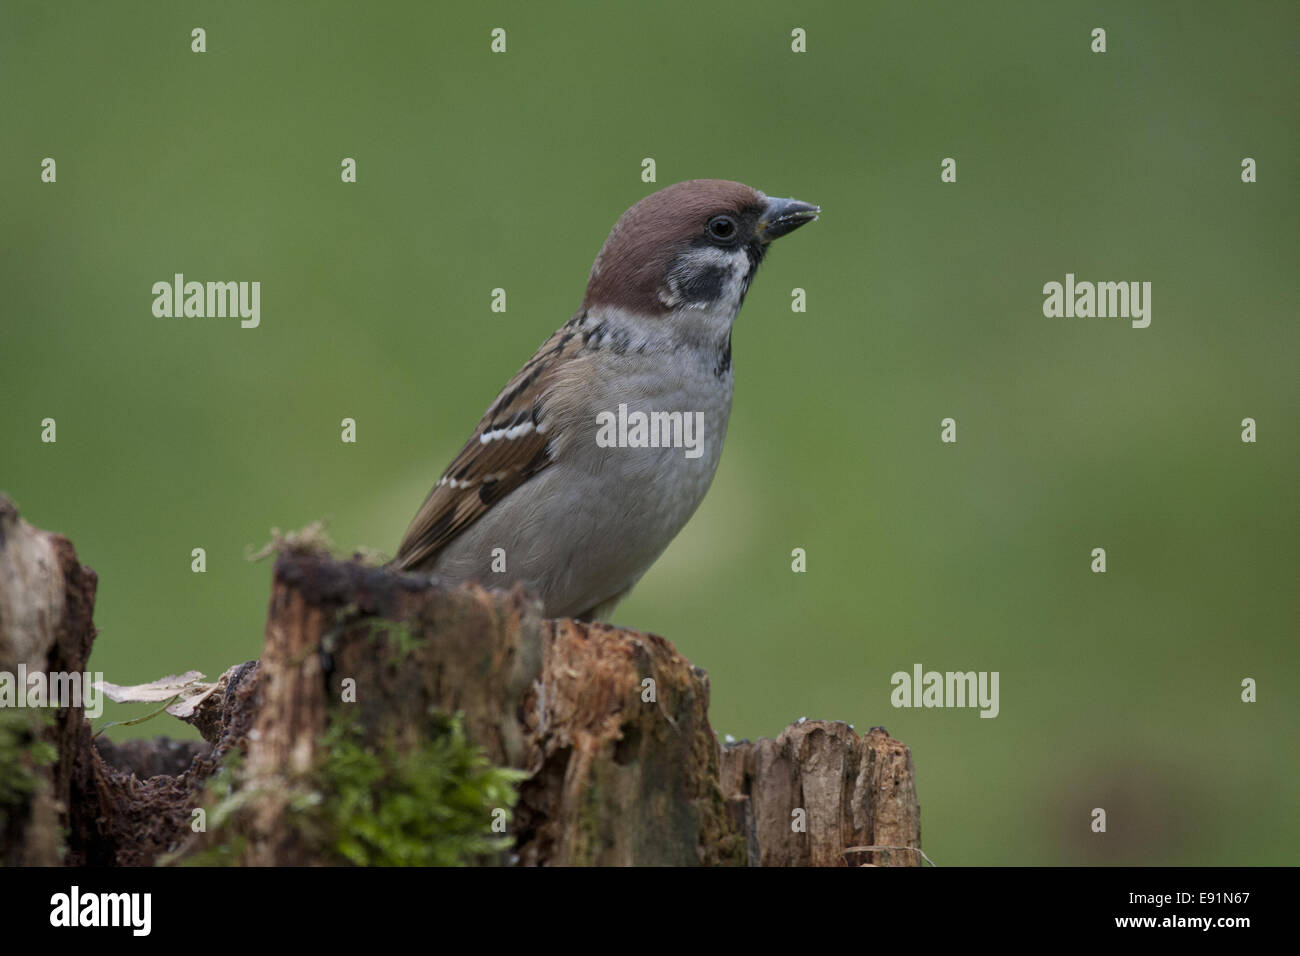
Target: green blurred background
<point>924,301</point>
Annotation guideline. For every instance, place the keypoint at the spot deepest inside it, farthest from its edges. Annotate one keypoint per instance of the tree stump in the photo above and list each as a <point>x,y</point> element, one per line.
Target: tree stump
<point>607,729</point>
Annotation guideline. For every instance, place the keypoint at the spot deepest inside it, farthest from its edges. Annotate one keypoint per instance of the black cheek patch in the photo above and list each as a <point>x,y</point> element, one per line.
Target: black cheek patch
<point>705,285</point>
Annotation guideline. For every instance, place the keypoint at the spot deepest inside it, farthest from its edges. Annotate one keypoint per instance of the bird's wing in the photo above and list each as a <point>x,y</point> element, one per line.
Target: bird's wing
<point>508,447</point>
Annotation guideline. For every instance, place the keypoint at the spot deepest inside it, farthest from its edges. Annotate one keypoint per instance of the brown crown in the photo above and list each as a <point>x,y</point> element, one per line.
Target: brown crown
<point>642,246</point>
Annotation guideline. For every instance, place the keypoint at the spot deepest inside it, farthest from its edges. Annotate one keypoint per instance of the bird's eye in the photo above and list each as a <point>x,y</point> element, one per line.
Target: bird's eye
<point>722,230</point>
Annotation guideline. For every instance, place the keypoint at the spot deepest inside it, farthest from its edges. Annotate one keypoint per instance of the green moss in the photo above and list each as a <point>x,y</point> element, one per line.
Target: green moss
<point>399,637</point>
<point>402,641</point>
<point>23,750</point>
<point>368,805</point>
<point>433,805</point>
<point>223,846</point>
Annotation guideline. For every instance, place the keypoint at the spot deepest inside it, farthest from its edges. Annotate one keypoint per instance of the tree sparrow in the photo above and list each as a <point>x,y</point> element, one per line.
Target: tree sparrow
<point>593,456</point>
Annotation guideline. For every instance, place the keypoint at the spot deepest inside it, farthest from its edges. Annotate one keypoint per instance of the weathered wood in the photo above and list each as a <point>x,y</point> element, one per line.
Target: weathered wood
<point>628,769</point>
<point>390,649</point>
<point>46,604</point>
<point>818,789</point>
<point>621,771</point>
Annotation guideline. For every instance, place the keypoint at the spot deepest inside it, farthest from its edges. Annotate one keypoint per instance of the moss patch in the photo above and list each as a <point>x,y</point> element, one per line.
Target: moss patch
<point>435,804</point>
<point>23,751</point>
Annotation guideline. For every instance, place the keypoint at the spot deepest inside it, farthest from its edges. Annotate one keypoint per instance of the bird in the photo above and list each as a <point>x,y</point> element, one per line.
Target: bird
<point>560,488</point>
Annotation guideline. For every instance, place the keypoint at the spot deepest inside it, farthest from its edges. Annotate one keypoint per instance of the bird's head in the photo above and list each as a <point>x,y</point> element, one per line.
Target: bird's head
<point>690,247</point>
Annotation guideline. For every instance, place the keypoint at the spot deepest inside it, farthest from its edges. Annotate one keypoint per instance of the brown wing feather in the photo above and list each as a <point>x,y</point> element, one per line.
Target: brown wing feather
<point>484,473</point>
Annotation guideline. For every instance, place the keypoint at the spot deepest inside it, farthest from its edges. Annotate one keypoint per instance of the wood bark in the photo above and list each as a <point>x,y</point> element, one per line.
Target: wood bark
<point>610,725</point>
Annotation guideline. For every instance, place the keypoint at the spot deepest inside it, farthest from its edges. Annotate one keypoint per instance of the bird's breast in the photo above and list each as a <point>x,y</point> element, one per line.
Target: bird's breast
<point>659,437</point>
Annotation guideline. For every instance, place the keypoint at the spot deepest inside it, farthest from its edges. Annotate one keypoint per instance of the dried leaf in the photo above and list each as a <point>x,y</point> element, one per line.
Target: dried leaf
<point>189,689</point>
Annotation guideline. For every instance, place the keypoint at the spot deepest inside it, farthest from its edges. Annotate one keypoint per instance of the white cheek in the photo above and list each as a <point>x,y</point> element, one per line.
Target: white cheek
<point>735,264</point>
<point>736,285</point>
<point>733,287</point>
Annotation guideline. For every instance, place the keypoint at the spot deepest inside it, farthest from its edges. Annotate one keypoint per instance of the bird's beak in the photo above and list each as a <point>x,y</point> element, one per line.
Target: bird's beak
<point>784,215</point>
